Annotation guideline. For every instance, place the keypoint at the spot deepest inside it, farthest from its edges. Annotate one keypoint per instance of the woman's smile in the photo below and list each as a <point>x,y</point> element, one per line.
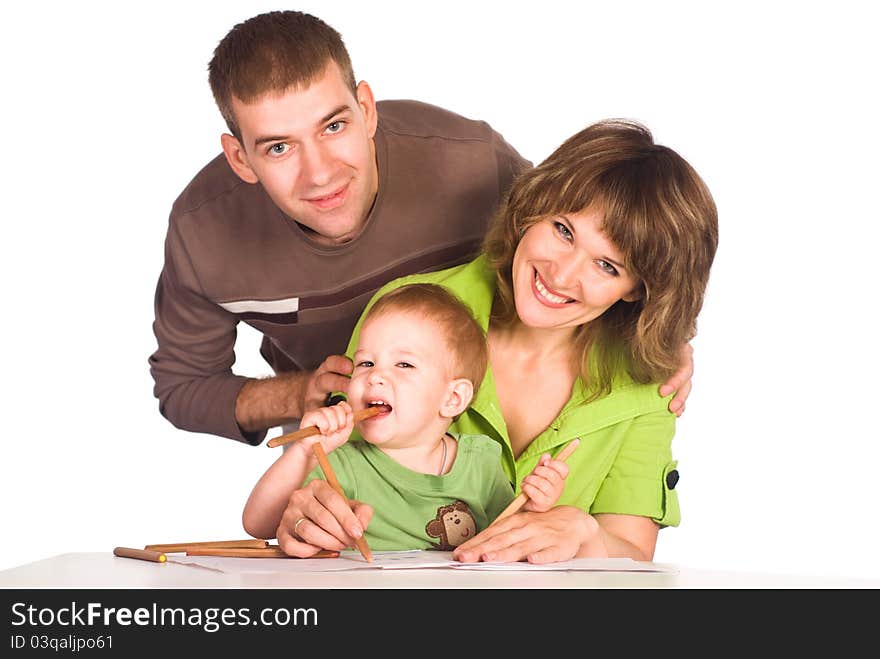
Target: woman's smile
<point>546,295</point>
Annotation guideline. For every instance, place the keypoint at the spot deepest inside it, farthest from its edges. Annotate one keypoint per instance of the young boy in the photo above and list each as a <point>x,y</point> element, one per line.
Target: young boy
<point>420,359</point>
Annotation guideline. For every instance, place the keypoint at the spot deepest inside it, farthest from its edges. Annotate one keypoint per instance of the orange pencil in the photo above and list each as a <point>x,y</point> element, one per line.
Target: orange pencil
<point>318,450</point>
<point>273,551</point>
<point>520,500</point>
<point>142,554</point>
<point>308,431</point>
<point>172,547</point>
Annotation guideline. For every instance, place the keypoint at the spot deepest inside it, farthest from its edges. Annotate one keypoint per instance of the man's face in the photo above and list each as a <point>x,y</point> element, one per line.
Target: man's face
<point>312,150</point>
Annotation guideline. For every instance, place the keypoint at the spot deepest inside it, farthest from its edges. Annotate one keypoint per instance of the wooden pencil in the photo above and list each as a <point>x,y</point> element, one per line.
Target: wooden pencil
<point>308,431</point>
<point>520,500</point>
<point>175,547</point>
<point>273,551</point>
<point>318,450</point>
<point>141,554</point>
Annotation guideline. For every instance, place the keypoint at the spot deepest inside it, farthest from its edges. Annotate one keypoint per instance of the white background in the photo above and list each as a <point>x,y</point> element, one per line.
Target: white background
<point>106,115</point>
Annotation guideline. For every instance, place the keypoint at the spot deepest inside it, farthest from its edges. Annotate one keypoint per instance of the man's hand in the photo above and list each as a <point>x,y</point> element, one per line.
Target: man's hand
<point>270,402</point>
<point>680,382</point>
<point>332,375</point>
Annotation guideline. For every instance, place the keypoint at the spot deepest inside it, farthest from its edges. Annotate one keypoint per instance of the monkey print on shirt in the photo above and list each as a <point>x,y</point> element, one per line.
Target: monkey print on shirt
<point>453,525</point>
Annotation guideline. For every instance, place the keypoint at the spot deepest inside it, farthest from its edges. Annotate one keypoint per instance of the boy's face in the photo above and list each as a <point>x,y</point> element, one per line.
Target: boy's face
<point>402,361</point>
<point>312,150</point>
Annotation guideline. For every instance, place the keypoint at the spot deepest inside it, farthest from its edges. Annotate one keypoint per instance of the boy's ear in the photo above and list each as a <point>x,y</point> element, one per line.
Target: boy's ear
<point>458,397</point>
<point>237,158</point>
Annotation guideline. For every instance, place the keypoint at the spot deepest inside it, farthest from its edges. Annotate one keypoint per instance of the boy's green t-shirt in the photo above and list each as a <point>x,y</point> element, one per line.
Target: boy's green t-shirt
<point>423,511</point>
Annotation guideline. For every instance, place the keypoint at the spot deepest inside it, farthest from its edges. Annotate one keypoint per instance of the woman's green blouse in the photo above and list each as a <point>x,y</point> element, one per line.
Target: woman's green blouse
<point>624,463</point>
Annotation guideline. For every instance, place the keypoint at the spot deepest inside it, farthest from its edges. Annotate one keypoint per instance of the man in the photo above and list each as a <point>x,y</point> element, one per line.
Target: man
<point>320,197</point>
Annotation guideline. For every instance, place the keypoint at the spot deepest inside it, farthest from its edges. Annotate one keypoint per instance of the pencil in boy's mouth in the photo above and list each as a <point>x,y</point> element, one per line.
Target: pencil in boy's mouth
<point>384,408</point>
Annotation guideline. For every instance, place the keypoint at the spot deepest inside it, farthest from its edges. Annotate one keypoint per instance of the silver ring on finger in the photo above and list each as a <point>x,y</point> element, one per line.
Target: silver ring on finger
<point>296,527</point>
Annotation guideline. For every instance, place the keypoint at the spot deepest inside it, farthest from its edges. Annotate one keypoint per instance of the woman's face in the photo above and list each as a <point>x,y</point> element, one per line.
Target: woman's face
<point>566,272</point>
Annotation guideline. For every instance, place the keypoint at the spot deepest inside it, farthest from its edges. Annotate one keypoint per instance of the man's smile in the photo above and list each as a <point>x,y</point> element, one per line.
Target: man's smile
<point>330,201</point>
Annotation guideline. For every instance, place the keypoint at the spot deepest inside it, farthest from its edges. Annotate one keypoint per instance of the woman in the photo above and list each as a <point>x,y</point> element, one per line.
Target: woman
<point>591,280</point>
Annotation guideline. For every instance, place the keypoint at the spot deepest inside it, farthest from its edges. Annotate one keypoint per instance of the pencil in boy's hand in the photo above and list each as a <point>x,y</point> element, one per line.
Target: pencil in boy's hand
<point>318,450</point>
<point>142,554</point>
<point>308,431</point>
<point>520,500</point>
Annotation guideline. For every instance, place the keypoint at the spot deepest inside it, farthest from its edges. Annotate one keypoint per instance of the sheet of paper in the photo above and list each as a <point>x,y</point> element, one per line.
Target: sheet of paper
<point>576,564</point>
<point>232,565</point>
<point>404,560</point>
<point>414,559</point>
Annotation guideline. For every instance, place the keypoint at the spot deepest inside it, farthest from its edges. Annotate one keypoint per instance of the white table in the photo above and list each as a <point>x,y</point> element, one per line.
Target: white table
<point>103,570</point>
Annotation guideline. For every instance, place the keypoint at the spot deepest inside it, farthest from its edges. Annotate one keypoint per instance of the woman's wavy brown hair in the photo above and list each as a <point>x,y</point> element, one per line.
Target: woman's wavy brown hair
<point>657,212</point>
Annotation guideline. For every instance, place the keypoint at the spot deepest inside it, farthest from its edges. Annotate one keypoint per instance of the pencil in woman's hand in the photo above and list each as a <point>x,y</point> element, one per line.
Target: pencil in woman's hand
<point>308,431</point>
<point>318,450</point>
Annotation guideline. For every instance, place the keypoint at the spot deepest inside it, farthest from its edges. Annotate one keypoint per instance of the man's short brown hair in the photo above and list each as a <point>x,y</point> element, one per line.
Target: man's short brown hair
<point>273,52</point>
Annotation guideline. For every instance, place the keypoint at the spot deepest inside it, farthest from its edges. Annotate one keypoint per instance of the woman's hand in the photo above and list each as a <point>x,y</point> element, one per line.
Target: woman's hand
<point>317,518</point>
<point>555,535</point>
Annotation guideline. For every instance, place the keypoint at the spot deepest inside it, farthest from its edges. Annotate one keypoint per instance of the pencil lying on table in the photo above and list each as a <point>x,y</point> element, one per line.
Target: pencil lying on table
<point>308,431</point>
<point>520,500</point>
<point>318,450</point>
<point>273,551</point>
<point>250,543</point>
<point>142,554</point>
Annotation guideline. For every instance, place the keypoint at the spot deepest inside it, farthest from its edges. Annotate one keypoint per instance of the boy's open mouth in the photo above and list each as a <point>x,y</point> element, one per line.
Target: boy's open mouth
<point>384,407</point>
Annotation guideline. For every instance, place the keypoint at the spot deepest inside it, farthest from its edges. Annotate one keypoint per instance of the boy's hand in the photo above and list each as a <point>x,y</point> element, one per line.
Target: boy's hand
<point>544,485</point>
<point>335,423</point>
